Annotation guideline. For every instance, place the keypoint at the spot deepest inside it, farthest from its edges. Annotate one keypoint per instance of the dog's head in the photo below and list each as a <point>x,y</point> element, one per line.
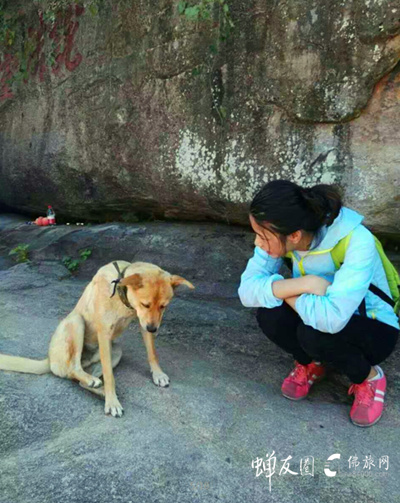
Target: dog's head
<point>150,292</point>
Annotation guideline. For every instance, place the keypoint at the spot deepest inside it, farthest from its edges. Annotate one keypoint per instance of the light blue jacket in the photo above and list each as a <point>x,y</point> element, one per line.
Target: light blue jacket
<point>330,313</point>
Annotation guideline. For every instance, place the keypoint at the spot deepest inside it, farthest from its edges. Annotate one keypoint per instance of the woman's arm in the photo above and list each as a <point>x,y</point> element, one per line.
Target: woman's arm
<point>262,286</point>
<point>331,313</point>
<point>312,284</point>
<point>256,282</point>
<point>293,287</point>
<point>292,302</point>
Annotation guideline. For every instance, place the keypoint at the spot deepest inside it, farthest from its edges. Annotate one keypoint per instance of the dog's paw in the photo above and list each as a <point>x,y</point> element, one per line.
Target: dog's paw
<point>95,383</point>
<point>160,379</point>
<point>113,407</point>
<point>98,391</point>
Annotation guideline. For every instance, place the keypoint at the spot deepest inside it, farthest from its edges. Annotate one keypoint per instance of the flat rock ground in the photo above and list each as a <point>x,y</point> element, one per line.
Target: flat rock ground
<point>196,440</point>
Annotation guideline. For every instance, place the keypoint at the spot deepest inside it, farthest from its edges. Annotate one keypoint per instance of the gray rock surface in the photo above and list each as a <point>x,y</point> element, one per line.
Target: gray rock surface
<point>196,440</point>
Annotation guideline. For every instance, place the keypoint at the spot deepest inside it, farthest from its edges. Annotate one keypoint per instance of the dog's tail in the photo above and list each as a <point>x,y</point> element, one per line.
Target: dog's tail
<point>18,364</point>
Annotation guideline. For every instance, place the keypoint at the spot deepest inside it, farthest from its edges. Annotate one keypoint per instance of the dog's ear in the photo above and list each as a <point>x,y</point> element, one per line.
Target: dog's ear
<point>178,280</point>
<point>135,281</point>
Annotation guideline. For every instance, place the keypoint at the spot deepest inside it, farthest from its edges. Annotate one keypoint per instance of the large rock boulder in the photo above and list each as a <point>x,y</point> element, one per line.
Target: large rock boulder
<point>138,111</point>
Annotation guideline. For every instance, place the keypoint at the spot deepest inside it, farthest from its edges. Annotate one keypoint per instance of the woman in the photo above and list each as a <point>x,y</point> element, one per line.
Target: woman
<point>321,315</point>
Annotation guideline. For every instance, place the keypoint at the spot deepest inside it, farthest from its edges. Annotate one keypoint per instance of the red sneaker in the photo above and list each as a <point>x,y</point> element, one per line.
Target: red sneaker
<point>298,383</point>
<point>368,402</point>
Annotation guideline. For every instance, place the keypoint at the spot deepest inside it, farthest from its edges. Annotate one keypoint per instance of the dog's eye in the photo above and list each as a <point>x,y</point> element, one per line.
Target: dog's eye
<point>146,305</point>
<point>162,307</point>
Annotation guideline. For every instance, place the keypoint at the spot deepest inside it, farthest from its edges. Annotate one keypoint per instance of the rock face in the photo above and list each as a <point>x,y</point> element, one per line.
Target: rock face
<point>137,111</point>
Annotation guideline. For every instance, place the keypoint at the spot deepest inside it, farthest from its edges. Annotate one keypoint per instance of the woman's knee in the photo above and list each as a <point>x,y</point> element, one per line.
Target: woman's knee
<point>312,341</point>
<point>268,319</point>
<point>382,351</point>
<point>278,321</point>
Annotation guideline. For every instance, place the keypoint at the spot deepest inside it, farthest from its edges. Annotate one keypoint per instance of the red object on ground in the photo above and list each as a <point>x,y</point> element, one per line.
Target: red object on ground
<point>51,215</point>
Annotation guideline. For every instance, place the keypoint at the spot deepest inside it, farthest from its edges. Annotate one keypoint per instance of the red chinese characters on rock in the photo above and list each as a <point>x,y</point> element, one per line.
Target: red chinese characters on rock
<point>64,38</point>
<point>9,66</point>
<point>36,59</point>
<point>62,35</point>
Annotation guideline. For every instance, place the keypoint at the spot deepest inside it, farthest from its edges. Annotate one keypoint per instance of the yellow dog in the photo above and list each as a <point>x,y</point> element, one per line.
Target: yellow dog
<point>118,293</point>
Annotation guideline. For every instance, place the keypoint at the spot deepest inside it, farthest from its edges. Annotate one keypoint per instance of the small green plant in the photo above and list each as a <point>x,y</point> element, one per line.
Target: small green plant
<point>7,26</point>
<point>73,264</point>
<point>85,254</point>
<point>204,10</point>
<point>21,253</point>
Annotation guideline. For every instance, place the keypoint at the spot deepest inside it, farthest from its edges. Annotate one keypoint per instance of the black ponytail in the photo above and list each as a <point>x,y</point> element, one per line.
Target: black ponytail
<point>324,201</point>
<point>286,207</point>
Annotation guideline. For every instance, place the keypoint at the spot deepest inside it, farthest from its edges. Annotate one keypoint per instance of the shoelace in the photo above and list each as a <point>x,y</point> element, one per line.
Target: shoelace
<point>312,368</point>
<point>364,393</point>
<point>299,374</point>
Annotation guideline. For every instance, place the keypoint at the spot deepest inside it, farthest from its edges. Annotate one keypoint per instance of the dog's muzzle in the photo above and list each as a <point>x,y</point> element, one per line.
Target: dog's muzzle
<point>151,328</point>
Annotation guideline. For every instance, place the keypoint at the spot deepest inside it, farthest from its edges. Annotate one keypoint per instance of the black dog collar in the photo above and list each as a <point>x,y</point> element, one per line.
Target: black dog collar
<point>121,289</point>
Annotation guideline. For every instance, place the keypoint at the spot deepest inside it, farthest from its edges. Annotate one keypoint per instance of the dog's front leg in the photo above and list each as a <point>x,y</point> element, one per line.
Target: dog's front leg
<point>159,378</point>
<point>112,406</point>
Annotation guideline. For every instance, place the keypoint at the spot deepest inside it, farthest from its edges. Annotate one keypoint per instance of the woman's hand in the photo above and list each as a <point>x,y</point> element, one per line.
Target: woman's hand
<point>312,284</point>
<point>316,284</point>
<point>286,288</point>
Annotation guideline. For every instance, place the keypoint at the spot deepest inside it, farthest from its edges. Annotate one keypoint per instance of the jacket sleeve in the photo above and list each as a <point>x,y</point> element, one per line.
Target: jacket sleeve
<point>332,312</point>
<point>256,281</point>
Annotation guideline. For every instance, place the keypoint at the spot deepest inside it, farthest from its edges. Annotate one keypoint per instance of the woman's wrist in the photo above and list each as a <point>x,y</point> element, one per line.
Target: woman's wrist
<point>285,288</point>
<point>291,301</point>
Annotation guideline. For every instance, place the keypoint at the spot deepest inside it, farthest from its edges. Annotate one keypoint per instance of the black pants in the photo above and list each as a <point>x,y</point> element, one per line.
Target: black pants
<point>362,343</point>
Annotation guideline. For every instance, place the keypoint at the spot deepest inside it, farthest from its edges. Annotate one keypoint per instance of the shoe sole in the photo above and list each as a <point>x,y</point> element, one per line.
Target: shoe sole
<point>294,399</point>
<point>305,396</point>
<point>366,425</point>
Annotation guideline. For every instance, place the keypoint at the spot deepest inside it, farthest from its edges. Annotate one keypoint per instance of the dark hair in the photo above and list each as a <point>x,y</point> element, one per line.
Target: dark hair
<point>286,207</point>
